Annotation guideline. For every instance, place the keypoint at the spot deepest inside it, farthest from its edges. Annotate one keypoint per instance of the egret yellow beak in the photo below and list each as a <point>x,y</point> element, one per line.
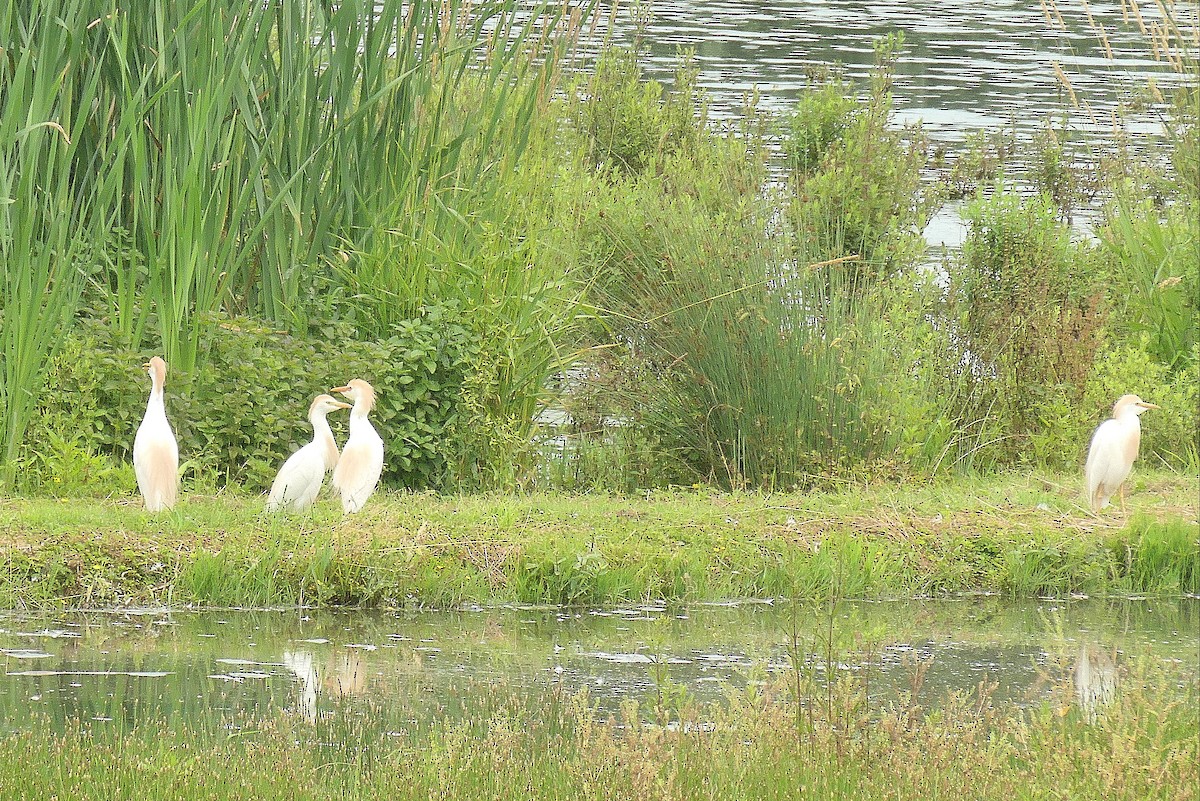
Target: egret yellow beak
<point>340,389</point>
<point>1147,405</point>
<point>341,405</point>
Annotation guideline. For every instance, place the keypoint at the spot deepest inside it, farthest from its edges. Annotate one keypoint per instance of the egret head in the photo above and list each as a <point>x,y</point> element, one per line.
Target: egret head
<point>359,391</point>
<point>1131,404</point>
<point>324,404</point>
<point>156,368</point>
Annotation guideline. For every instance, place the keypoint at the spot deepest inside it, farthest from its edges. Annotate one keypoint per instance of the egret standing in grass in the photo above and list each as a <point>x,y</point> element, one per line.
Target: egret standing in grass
<point>1113,451</point>
<point>301,476</point>
<point>358,470</point>
<point>155,453</point>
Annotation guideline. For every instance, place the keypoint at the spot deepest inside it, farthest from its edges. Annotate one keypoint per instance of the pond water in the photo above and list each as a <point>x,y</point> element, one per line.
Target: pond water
<point>965,67</point>
<point>119,668</point>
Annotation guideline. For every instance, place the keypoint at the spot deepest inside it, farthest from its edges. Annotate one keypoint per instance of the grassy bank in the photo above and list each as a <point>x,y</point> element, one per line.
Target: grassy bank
<point>1017,535</point>
<point>760,744</point>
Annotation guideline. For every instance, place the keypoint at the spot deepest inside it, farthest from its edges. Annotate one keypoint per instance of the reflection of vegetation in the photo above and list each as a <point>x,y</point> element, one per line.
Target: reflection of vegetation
<point>557,746</point>
<point>417,659</point>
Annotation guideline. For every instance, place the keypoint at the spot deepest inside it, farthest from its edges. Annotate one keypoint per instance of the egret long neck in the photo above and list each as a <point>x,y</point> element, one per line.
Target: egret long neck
<point>358,415</point>
<point>1134,439</point>
<point>156,403</point>
<point>323,436</point>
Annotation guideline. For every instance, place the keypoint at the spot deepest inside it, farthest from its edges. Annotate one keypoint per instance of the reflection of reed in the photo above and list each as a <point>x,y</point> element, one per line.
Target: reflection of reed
<point>1095,678</point>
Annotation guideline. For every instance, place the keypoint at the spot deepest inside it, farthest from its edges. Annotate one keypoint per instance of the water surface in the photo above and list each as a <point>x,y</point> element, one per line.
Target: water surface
<point>210,668</point>
<point>964,66</point>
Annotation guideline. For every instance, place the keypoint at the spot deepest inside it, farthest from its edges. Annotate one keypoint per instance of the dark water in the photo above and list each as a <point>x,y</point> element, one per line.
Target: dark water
<point>207,668</point>
<point>964,65</point>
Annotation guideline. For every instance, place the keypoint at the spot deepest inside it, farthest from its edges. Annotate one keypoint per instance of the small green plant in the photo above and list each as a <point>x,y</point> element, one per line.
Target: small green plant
<point>1032,310</point>
<point>984,154</point>
<point>631,124</point>
<point>1060,172</point>
<point>856,181</point>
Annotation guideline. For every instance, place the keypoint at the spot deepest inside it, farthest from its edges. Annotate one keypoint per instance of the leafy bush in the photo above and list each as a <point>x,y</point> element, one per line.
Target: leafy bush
<point>244,409</point>
<point>630,123</point>
<point>1170,435</point>
<point>1155,286</point>
<point>856,181</point>
<point>984,154</point>
<point>1059,171</point>
<point>824,114</point>
<point>1031,314</point>
<point>927,407</point>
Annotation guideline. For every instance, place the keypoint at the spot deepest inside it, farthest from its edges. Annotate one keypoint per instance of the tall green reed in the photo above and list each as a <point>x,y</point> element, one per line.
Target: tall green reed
<point>763,378</point>
<point>47,233</point>
<point>231,152</point>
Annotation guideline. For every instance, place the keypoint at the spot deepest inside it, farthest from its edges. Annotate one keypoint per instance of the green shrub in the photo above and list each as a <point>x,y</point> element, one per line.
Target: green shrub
<point>1060,172</point>
<point>243,411</point>
<point>856,181</point>
<point>933,418</point>
<point>629,123</point>
<point>824,114</point>
<point>1170,434</point>
<point>983,157</point>
<point>1155,283</point>
<point>1031,313</point>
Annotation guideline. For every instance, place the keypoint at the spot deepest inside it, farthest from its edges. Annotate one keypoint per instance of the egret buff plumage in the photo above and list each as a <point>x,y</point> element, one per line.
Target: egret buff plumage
<point>358,470</point>
<point>155,453</point>
<point>301,476</point>
<point>1113,451</point>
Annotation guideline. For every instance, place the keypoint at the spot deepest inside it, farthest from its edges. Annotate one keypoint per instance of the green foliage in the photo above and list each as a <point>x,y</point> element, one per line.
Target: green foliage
<point>933,418</point>
<point>824,114</point>
<point>46,231</point>
<point>984,155</point>
<point>1155,284</point>
<point>243,411</point>
<point>1171,434</point>
<point>856,181</point>
<point>1032,316</point>
<point>563,580</point>
<point>206,159</point>
<point>1183,127</point>
<point>740,365</point>
<point>630,124</point>
<point>1059,172</point>
<point>1165,557</point>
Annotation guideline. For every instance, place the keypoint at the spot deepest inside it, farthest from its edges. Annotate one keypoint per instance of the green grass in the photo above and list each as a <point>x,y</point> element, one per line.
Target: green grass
<point>1015,535</point>
<point>757,744</point>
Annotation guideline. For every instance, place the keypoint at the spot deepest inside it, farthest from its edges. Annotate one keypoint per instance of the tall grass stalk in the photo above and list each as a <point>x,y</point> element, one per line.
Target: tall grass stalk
<point>769,361</point>
<point>47,233</point>
<point>228,152</point>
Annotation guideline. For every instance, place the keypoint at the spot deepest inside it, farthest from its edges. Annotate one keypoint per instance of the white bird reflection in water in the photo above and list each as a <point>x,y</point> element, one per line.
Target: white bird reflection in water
<point>343,674</point>
<point>1095,678</point>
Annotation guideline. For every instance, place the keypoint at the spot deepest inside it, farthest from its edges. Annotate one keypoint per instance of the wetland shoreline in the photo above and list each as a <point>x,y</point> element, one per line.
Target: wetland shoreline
<point>1015,535</point>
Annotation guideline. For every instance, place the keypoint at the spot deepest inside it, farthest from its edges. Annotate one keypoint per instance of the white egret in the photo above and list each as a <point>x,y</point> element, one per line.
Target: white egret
<point>1113,451</point>
<point>155,452</point>
<point>300,478</point>
<point>358,470</point>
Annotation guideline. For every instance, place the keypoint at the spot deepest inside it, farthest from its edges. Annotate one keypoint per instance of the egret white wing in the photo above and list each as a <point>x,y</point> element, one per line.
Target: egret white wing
<point>1105,469</point>
<point>156,465</point>
<point>299,480</point>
